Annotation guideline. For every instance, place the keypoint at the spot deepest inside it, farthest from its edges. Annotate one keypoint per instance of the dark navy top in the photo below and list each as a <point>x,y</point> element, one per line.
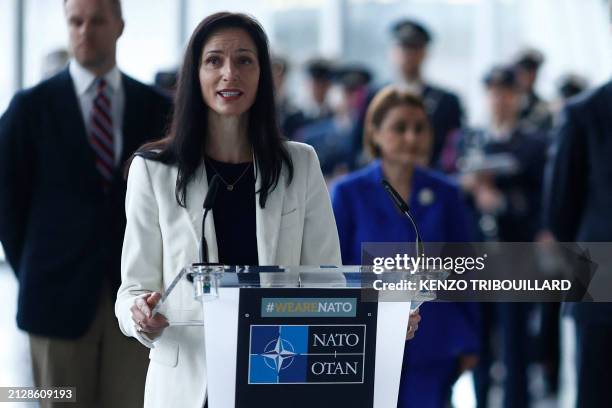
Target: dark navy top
<point>234,212</point>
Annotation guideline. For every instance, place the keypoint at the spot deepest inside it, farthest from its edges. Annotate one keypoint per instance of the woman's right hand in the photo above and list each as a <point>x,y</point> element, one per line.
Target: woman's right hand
<point>141,315</point>
<point>413,324</point>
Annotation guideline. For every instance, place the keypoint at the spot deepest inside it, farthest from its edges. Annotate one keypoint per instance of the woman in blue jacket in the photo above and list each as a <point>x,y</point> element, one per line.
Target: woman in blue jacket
<point>398,136</point>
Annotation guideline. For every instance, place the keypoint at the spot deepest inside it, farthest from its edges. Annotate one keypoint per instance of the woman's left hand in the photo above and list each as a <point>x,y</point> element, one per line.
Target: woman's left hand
<point>467,362</point>
<point>413,324</point>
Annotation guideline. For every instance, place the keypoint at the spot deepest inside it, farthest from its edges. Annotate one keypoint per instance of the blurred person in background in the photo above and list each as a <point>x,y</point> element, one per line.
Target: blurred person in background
<point>411,44</point>
<point>63,144</point>
<point>399,137</point>
<point>54,62</point>
<point>166,81</point>
<point>502,165</point>
<point>320,74</point>
<point>579,198</point>
<point>290,117</point>
<point>568,86</point>
<point>332,137</point>
<point>549,342</point>
<point>535,112</point>
<point>501,168</point>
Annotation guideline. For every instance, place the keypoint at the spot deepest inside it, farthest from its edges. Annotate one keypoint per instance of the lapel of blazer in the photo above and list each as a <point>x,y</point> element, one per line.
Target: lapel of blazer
<point>74,133</point>
<point>268,220</point>
<point>605,108</point>
<point>134,118</point>
<point>196,192</point>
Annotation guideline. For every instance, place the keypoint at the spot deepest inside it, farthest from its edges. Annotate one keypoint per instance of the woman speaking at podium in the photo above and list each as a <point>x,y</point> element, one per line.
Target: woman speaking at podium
<point>272,206</point>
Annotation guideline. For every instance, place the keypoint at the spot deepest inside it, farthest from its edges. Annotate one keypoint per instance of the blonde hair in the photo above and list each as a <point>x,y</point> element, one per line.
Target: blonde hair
<point>386,99</point>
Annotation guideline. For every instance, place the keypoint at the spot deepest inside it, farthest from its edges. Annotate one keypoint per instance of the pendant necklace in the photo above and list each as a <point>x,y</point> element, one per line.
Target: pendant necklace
<point>229,186</point>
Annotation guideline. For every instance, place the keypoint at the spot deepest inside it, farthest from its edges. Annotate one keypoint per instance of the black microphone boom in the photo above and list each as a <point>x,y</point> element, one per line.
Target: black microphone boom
<point>209,202</point>
<point>399,202</point>
<point>402,206</point>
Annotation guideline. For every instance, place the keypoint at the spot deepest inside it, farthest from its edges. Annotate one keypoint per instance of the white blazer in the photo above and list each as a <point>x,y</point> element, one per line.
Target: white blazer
<point>296,227</point>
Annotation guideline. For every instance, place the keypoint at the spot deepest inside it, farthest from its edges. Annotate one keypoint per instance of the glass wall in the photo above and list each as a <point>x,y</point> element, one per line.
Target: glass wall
<point>7,53</point>
<point>149,43</point>
<point>469,37</point>
<point>45,32</point>
<point>293,28</point>
<point>472,35</point>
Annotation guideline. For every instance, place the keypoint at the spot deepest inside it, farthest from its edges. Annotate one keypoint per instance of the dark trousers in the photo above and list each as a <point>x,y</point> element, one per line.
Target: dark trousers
<point>427,386</point>
<point>512,321</point>
<point>482,375</point>
<point>549,352</point>
<point>593,360</point>
<point>515,339</point>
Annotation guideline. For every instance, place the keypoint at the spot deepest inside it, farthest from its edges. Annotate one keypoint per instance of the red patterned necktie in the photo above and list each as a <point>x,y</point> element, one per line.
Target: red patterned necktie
<point>101,137</point>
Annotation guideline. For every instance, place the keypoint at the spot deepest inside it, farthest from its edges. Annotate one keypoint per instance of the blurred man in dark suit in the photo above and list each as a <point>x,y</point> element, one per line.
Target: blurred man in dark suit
<point>166,81</point>
<point>443,107</point>
<point>444,110</point>
<point>579,201</point>
<point>332,137</point>
<point>290,117</point>
<point>502,170</point>
<point>62,148</point>
<point>549,350</point>
<point>567,86</point>
<point>508,192</point>
<point>54,62</point>
<point>535,112</point>
<point>320,75</point>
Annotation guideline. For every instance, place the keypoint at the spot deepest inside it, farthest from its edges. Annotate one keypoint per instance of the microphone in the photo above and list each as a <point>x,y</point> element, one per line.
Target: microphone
<point>401,205</point>
<point>209,202</point>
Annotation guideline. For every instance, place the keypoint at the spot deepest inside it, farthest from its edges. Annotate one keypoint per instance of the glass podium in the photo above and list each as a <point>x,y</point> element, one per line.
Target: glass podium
<point>302,335</point>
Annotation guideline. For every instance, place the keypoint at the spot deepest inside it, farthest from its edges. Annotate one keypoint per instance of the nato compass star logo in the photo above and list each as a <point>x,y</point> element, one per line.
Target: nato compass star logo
<point>278,354</point>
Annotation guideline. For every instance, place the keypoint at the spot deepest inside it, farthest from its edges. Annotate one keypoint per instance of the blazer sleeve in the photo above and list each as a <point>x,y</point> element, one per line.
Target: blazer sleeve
<point>141,258</point>
<point>320,243</point>
<point>16,173</point>
<point>567,178</point>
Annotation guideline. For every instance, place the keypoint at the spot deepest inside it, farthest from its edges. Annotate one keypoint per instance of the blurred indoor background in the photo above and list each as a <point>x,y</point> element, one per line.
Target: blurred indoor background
<point>470,36</point>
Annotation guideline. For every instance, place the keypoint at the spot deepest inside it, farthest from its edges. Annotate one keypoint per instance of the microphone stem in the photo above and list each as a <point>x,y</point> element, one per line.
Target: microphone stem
<point>418,241</point>
<point>203,244</point>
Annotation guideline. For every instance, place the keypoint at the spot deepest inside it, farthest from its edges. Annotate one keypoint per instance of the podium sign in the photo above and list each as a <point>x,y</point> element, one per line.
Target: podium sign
<point>301,344</point>
<point>300,337</point>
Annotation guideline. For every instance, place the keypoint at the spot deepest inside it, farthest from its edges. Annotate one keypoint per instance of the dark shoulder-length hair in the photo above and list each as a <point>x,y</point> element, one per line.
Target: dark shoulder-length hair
<point>184,143</point>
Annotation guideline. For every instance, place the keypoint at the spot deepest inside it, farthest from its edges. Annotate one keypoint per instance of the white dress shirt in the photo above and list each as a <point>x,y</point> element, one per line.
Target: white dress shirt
<point>415,87</point>
<point>85,88</point>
